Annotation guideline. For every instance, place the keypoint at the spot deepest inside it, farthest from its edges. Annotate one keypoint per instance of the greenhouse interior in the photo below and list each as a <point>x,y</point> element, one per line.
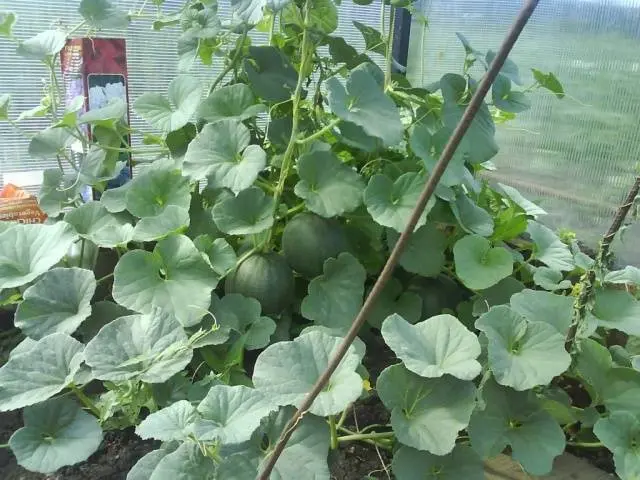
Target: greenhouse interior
<point>319,239</point>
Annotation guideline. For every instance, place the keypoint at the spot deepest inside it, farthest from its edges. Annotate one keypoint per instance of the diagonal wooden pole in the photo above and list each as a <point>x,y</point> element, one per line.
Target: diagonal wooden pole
<point>476,102</point>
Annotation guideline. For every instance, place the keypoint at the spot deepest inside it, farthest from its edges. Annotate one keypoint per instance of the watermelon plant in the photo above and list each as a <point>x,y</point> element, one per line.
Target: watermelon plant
<point>200,301</point>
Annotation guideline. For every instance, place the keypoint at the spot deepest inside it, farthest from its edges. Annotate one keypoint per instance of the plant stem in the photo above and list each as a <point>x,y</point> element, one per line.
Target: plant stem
<point>343,417</point>
<point>86,401</point>
<point>287,158</point>
<point>261,183</point>
<point>232,64</point>
<point>106,277</point>
<point>392,26</point>
<point>334,432</point>
<point>4,445</point>
<point>272,27</point>
<point>583,301</point>
<point>320,133</point>
<point>296,209</point>
<point>365,436</point>
<point>585,444</point>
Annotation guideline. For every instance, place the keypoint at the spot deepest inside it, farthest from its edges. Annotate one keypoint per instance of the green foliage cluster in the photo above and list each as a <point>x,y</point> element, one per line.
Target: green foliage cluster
<point>278,191</point>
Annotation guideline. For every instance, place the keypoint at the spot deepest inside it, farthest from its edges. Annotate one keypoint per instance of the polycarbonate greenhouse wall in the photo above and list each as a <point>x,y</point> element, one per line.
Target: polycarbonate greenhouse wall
<point>576,156</point>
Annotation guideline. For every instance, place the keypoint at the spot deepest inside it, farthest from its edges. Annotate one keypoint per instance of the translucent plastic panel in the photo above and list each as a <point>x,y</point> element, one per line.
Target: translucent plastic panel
<point>152,63</point>
<point>577,156</point>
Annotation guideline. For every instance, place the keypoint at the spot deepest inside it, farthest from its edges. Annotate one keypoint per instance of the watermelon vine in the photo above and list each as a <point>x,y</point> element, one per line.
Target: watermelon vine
<point>200,301</point>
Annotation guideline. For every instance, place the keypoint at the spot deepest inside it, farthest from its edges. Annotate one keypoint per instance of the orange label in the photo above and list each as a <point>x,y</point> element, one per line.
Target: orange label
<point>16,205</point>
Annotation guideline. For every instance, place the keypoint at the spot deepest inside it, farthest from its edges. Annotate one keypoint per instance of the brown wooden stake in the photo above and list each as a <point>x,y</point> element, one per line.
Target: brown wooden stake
<point>430,186</point>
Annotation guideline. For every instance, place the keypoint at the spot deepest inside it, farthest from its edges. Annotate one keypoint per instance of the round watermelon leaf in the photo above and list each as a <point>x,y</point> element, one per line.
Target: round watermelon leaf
<point>187,462</point>
<point>230,415</point>
<point>174,277</point>
<point>173,219</point>
<point>328,186</point>
<point>364,103</point>
<point>94,222</point>
<point>549,249</point>
<point>478,264</point>
<point>58,302</point>
<point>174,113</point>
<point>522,354</point>
<point>434,347</point>
<point>40,371</point>
<point>462,463</point>
<point>221,153</point>
<point>151,348</point>
<point>174,422</point>
<point>29,250</point>
<point>391,203</point>
<point>335,297</point>
<point>538,306</point>
<point>617,309</point>
<point>55,433</point>
<point>248,213</point>
<point>550,279</point>
<point>43,46</point>
<point>154,189</point>
<point>620,433</point>
<point>298,364</point>
<point>516,419</point>
<point>424,254</point>
<point>233,102</point>
<point>303,458</point>
<point>426,413</point>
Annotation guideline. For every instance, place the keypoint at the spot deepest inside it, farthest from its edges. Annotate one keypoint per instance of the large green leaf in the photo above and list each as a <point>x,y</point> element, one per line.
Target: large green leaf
<point>528,206</point>
<point>298,364</point>
<point>394,300</point>
<point>173,219</point>
<point>426,413</point>
<point>50,142</point>
<point>233,102</point>
<point>462,463</point>
<point>478,264</point>
<point>323,16</point>
<point>115,199</point>
<point>593,364</point>
<point>509,68</point>
<point>43,46</point>
<point>537,306</point>
<point>144,468</point>
<point>391,203</point>
<point>335,297</point>
<point>549,249</point>
<point>303,458</point>
<point>427,147</point>
<point>434,347</point>
<point>629,275</point>
<point>549,81</point>
<point>221,152</point>
<point>365,104</point>
<point>172,113</point>
<point>270,73</point>
<point>29,250</point>
<point>622,390</point>
<point>516,419</point>
<point>220,254</point>
<point>550,279</point>
<point>620,434</point>
<point>424,254</point>
<point>187,462</point>
<point>58,302</point>
<point>174,277</point>
<point>471,217</point>
<point>114,111</point>
<point>103,14</point>
<point>155,189</point>
<point>248,213</point>
<point>328,186</point>
<point>243,315</point>
<point>617,309</point>
<point>55,433</point>
<point>40,372</point>
<point>174,422</point>
<point>230,415</point>
<point>374,42</point>
<point>151,348</point>
<point>522,354</point>
<point>507,99</point>
<point>94,222</point>
<point>58,191</point>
